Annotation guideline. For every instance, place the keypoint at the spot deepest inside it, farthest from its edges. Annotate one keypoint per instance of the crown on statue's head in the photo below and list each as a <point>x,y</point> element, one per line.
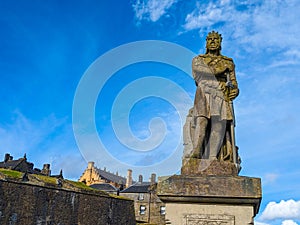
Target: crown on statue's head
<point>213,33</point>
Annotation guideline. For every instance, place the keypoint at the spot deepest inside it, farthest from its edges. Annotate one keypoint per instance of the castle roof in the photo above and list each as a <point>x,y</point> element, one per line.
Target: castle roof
<point>11,164</point>
<point>111,177</point>
<point>24,166</point>
<point>20,164</point>
<point>138,187</point>
<point>104,187</point>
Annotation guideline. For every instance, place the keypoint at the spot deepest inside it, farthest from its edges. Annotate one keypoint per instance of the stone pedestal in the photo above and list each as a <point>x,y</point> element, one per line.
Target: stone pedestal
<point>208,167</point>
<point>207,198</point>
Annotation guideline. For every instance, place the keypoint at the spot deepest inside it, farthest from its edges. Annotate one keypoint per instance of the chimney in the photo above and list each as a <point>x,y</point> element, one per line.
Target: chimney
<point>46,170</point>
<point>140,179</point>
<point>89,173</point>
<point>6,157</point>
<point>61,174</point>
<point>91,165</point>
<point>129,178</point>
<point>153,178</point>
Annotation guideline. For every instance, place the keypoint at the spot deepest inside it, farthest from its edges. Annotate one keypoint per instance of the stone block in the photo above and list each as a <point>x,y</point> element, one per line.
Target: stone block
<point>192,166</point>
<point>205,199</point>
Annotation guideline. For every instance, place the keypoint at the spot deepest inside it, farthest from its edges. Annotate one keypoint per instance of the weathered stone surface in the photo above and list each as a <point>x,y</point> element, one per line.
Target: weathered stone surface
<point>22,203</point>
<point>204,199</point>
<point>209,128</point>
<point>212,189</point>
<point>193,166</point>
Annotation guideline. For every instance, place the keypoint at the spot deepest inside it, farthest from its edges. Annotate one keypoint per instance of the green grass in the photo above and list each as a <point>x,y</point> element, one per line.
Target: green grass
<point>52,180</point>
<point>45,179</point>
<point>11,173</point>
<point>119,197</point>
<point>81,185</point>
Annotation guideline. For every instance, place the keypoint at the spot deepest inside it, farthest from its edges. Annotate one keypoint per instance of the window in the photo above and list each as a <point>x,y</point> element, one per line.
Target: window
<point>142,210</point>
<point>141,196</point>
<point>162,210</point>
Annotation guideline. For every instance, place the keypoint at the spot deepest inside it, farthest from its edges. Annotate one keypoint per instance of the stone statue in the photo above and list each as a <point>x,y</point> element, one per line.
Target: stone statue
<point>209,180</point>
<point>209,128</point>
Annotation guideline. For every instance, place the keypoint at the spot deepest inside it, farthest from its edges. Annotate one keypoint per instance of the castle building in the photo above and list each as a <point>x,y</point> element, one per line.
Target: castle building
<point>93,175</point>
<point>148,207</point>
<point>22,165</point>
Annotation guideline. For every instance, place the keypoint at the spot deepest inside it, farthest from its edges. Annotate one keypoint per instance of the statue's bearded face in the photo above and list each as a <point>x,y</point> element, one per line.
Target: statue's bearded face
<point>213,42</point>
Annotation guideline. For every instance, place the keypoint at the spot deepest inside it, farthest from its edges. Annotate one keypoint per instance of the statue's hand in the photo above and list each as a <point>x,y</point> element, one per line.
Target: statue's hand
<point>219,71</point>
<point>221,68</point>
<point>233,94</point>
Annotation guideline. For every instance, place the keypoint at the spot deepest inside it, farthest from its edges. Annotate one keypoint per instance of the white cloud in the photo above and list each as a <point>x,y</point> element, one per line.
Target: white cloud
<point>289,209</point>
<point>151,9</point>
<point>259,223</point>
<point>207,15</point>
<point>289,222</point>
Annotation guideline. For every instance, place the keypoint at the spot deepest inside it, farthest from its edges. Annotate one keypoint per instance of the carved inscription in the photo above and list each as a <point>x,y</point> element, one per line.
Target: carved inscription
<point>204,219</point>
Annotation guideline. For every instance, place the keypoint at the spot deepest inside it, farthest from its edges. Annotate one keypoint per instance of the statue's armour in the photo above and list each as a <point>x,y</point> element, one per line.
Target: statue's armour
<point>211,97</point>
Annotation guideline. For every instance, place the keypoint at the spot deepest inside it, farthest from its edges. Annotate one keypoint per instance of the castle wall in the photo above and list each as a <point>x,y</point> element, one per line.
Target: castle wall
<point>22,203</point>
<point>153,207</point>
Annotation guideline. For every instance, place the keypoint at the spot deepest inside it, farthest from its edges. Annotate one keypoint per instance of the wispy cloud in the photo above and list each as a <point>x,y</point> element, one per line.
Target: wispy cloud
<point>163,144</point>
<point>270,177</point>
<point>23,134</point>
<point>208,14</point>
<point>49,140</point>
<point>151,9</point>
<point>265,24</point>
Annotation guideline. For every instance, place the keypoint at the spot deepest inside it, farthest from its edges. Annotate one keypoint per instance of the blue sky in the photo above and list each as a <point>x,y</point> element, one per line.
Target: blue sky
<point>48,47</point>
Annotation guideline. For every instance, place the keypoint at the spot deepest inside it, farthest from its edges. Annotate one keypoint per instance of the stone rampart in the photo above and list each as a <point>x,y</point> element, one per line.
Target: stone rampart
<point>25,204</point>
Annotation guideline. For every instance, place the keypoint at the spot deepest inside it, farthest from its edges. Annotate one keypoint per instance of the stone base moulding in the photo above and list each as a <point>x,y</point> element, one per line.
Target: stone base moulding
<point>213,200</point>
